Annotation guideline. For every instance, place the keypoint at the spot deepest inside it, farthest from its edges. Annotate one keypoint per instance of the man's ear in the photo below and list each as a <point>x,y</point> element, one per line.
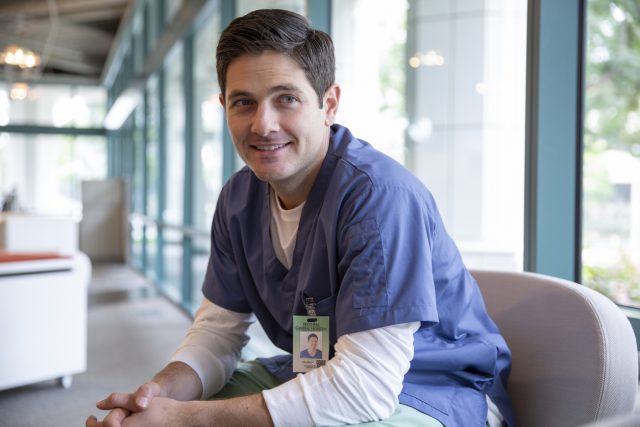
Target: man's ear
<point>330,104</point>
<point>221,99</point>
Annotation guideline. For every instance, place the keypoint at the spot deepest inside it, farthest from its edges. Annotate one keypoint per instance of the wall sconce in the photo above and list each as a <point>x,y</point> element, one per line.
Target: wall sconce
<point>19,57</point>
<point>429,59</point>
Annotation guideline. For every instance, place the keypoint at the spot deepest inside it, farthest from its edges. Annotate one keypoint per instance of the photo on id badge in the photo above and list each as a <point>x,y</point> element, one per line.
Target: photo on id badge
<point>310,342</point>
<point>313,342</point>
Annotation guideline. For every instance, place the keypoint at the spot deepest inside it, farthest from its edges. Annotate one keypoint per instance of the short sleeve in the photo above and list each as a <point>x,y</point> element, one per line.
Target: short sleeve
<point>386,261</point>
<point>222,281</point>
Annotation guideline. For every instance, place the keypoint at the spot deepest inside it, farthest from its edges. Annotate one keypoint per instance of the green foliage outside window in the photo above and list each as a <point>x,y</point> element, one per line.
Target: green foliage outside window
<point>620,283</point>
<point>612,124</point>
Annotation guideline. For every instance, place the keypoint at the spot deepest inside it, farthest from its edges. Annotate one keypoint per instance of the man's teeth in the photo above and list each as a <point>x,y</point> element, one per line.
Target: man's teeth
<point>269,147</point>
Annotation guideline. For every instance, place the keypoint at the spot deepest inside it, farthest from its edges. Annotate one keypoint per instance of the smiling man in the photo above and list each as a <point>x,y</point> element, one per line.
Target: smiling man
<point>321,235</point>
<point>311,352</point>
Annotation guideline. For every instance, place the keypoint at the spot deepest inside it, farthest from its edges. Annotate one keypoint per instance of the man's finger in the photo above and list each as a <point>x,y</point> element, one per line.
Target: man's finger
<point>118,400</point>
<point>92,421</point>
<point>144,394</point>
<point>115,417</point>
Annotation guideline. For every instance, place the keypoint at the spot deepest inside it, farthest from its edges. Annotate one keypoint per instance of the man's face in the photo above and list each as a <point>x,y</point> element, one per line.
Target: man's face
<point>313,343</point>
<point>275,120</point>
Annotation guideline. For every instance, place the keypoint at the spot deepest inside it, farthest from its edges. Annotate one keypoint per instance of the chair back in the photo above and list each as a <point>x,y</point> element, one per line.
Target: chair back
<point>575,358</point>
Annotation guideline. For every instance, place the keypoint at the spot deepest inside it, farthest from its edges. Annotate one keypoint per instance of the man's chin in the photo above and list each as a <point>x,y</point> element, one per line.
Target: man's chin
<point>269,177</point>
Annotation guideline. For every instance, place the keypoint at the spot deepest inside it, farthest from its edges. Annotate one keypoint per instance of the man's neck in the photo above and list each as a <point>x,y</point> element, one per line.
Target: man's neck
<point>293,194</point>
<point>290,199</point>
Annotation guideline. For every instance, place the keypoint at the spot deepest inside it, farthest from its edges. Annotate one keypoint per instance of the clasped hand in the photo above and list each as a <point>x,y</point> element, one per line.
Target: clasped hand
<point>147,406</point>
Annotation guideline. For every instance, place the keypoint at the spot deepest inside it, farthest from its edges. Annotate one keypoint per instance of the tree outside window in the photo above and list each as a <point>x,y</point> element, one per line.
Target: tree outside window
<point>611,179</point>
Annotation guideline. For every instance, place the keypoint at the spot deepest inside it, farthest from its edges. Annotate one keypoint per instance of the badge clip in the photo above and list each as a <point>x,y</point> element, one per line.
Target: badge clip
<point>310,306</point>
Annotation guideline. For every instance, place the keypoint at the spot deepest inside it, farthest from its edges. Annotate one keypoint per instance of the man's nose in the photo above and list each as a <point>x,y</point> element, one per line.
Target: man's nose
<point>265,120</point>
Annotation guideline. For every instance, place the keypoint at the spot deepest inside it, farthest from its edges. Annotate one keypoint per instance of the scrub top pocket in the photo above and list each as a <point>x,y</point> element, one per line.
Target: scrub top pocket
<point>366,271</point>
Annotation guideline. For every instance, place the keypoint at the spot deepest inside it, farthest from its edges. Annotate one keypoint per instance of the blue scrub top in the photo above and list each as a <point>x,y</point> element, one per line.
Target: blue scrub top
<point>372,251</point>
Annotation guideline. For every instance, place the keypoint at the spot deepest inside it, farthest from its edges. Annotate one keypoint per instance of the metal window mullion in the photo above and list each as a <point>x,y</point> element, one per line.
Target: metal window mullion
<point>227,13</point>
<point>145,180</point>
<point>555,64</point>
<point>189,179</point>
<point>162,178</point>
<point>319,13</point>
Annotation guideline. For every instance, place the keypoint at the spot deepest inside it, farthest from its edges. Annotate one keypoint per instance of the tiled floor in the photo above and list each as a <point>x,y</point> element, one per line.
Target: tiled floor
<point>131,334</point>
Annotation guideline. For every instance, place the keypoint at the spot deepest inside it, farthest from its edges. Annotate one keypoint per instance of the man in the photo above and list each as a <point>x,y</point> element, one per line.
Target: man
<point>311,352</point>
<point>320,232</point>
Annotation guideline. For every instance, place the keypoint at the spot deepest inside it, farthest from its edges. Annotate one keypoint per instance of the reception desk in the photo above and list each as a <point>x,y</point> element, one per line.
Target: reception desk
<point>43,317</point>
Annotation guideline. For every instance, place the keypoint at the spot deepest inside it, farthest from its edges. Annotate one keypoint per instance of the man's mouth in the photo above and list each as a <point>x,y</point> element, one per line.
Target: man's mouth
<point>269,147</point>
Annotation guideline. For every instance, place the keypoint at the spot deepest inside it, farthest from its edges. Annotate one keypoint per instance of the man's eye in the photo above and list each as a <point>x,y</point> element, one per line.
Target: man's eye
<point>242,103</point>
<point>288,99</point>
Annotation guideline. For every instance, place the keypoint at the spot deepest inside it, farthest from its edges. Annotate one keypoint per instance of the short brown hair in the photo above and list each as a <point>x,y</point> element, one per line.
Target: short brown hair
<point>284,32</point>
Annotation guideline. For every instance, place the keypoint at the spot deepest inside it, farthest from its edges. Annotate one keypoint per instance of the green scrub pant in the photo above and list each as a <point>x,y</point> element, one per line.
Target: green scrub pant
<point>251,377</point>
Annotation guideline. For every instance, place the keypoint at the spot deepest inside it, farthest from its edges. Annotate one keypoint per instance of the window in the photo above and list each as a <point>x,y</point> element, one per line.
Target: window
<point>245,6</point>
<point>46,171</point>
<point>172,251</point>
<point>440,86</point>
<point>199,261</point>
<point>171,8</point>
<point>208,123</point>
<point>175,122</point>
<point>152,155</point>
<point>173,215</point>
<point>136,186</point>
<point>611,159</point>
<point>52,105</point>
<point>370,43</point>
<point>152,167</point>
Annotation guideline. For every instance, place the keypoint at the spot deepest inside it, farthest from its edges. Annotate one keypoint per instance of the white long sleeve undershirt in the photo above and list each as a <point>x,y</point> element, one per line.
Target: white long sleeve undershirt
<point>213,344</point>
<point>360,383</point>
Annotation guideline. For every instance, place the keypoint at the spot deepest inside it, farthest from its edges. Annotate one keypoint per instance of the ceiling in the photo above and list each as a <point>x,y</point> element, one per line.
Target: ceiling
<point>74,37</point>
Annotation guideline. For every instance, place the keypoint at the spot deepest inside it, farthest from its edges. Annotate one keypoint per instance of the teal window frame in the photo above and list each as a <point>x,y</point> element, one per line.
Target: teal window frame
<point>553,159</point>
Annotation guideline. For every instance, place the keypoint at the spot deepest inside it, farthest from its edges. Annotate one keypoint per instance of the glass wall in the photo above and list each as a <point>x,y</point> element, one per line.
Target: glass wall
<point>175,122</point>
<point>172,252</point>
<point>46,171</point>
<point>199,261</point>
<point>52,105</point>
<point>208,123</point>
<point>370,45</point>
<point>466,128</point>
<point>245,6</point>
<point>174,173</point>
<point>152,169</point>
<point>171,8</point>
<point>136,150</point>
<point>611,161</point>
<point>440,87</point>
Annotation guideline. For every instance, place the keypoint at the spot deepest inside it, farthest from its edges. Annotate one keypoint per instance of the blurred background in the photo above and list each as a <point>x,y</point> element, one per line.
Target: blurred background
<point>124,92</point>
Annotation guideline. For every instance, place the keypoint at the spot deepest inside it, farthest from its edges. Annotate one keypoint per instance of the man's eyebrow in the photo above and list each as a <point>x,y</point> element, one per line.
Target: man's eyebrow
<point>236,93</point>
<point>285,88</point>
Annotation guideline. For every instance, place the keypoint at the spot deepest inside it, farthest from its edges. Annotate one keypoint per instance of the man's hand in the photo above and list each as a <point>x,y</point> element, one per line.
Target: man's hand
<point>160,412</point>
<point>165,412</point>
<point>177,381</point>
<point>122,405</point>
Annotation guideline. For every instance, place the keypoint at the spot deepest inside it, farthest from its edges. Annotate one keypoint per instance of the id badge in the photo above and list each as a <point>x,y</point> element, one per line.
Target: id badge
<point>310,342</point>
